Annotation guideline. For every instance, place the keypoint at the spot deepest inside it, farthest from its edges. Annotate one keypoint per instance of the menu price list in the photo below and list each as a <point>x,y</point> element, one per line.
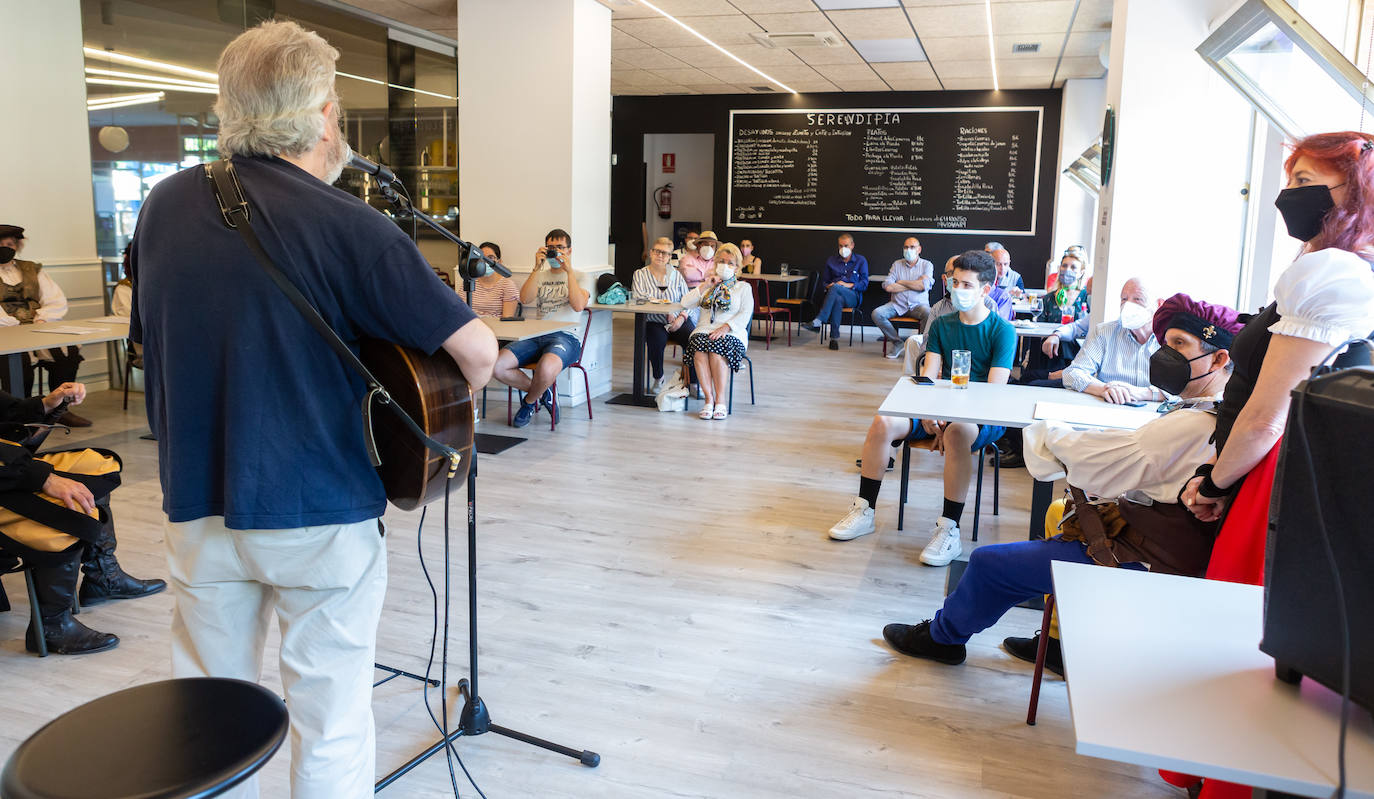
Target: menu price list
<point>954,169</point>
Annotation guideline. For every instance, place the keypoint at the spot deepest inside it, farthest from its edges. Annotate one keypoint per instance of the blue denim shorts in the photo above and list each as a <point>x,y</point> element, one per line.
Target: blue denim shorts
<point>561,344</point>
<point>986,434</point>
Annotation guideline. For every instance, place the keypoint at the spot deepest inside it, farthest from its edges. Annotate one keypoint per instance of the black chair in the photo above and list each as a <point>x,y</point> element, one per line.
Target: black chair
<point>730,396</point>
<point>927,444</point>
<point>174,739</point>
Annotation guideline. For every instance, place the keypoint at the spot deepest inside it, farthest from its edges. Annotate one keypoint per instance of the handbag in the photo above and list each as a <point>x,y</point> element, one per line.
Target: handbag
<point>673,397</point>
<point>615,295</point>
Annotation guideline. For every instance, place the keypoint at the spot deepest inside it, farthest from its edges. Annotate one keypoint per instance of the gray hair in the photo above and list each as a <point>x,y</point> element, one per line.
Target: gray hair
<point>273,81</point>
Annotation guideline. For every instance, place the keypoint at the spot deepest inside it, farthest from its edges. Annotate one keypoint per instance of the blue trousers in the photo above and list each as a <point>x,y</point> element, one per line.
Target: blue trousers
<point>997,578</point>
<point>836,300</point>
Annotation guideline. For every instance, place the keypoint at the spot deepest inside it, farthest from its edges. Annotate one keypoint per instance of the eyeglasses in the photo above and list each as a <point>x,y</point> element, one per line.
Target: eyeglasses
<point>559,247</point>
<point>664,253</point>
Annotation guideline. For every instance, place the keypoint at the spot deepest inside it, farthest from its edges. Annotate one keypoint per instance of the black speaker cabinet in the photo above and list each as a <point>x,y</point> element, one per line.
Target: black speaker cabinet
<point>1301,621</point>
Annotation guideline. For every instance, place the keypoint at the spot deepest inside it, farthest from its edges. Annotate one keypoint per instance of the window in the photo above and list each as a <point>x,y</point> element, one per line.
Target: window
<point>1283,65</point>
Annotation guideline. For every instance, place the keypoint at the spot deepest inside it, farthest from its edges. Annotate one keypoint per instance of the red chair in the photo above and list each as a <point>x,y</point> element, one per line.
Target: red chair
<point>764,309</point>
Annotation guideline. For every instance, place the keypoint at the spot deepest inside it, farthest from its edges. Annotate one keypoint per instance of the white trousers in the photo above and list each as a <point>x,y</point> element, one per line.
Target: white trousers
<point>325,585</point>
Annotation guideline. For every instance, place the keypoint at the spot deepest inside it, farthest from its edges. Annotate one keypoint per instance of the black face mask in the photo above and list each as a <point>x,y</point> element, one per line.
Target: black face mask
<point>1170,371</point>
<point>1303,209</point>
<point>6,254</point>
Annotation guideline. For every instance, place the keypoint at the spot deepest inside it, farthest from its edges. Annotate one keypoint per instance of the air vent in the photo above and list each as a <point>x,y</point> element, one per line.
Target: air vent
<point>793,41</point>
<point>761,88</point>
<point>1026,48</point>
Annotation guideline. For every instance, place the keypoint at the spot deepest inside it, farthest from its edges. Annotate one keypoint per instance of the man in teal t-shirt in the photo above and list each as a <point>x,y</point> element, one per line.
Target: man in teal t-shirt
<point>991,342</point>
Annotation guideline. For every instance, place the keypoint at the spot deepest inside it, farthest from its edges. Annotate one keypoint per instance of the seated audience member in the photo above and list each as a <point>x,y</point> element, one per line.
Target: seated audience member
<point>122,304</point>
<point>991,341</point>
<point>493,294</point>
<point>1008,279</point>
<point>29,296</point>
<point>695,266</point>
<point>725,307</point>
<point>658,281</point>
<point>1147,466</point>
<point>1052,268</point>
<point>845,278</point>
<point>689,247</point>
<point>554,291</point>
<point>914,348</point>
<point>992,247</point>
<point>1114,364</point>
<point>75,530</point>
<point>1065,305</point>
<point>752,264</point>
<point>908,285</point>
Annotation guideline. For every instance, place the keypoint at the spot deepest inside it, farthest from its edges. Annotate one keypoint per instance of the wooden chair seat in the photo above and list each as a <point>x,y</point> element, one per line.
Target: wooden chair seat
<point>894,320</point>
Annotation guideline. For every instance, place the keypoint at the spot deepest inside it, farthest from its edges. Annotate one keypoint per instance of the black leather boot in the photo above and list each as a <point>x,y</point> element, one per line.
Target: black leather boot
<point>63,634</point>
<point>105,580</point>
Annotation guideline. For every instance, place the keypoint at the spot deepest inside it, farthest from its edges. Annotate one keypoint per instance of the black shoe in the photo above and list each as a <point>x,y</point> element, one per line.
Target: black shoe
<point>105,579</point>
<point>53,586</point>
<point>834,345</point>
<point>550,403</point>
<point>1025,649</point>
<point>915,640</point>
<point>72,420</point>
<point>813,328</point>
<point>1010,460</point>
<point>891,463</point>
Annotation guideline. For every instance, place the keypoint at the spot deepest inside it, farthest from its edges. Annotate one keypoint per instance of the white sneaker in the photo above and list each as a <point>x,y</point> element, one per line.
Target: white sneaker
<point>894,351</point>
<point>858,521</point>
<point>657,385</point>
<point>944,543</point>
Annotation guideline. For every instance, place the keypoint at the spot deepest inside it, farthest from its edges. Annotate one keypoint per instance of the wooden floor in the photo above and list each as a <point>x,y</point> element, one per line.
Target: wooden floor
<point>660,590</point>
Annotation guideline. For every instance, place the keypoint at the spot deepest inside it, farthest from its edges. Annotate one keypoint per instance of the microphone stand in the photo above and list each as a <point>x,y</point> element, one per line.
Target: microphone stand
<point>475,718</point>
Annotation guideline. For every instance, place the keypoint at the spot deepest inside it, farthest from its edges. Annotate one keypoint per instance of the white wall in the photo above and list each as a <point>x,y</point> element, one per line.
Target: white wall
<point>1080,123</point>
<point>590,191</point>
<point>693,179</point>
<point>1173,209</point>
<point>47,156</point>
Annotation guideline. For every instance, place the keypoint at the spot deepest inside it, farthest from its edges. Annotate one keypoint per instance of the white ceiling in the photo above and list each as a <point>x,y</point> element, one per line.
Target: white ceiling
<point>651,55</point>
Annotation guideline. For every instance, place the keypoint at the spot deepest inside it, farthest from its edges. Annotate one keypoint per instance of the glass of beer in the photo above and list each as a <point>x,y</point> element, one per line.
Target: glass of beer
<point>959,367</point>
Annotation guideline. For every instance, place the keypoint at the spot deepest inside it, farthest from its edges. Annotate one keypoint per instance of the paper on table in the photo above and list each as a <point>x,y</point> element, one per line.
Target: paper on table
<point>1103,415</point>
<point>68,330</point>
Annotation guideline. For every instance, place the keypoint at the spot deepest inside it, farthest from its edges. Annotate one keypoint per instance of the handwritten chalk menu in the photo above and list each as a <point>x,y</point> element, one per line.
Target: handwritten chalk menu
<point>923,170</point>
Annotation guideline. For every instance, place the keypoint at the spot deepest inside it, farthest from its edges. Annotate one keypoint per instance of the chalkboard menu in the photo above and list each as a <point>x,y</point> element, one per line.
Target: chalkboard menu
<point>922,170</point>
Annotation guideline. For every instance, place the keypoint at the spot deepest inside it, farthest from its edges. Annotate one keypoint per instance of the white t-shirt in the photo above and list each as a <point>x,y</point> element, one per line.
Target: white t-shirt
<point>551,299</point>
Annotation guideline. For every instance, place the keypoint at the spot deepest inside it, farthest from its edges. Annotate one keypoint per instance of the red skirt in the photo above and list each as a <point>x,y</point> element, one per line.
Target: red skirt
<point>1238,557</point>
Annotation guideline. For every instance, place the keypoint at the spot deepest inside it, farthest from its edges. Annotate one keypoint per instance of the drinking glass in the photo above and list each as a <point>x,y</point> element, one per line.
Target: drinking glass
<point>782,270</point>
<point>959,365</point>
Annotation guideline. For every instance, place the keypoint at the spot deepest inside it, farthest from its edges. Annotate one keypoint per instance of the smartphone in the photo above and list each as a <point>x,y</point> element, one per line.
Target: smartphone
<point>512,319</point>
<point>922,380</point>
<point>1134,404</point>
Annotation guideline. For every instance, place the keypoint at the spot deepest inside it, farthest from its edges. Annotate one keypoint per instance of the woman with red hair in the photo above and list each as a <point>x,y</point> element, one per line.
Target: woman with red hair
<point>1323,299</point>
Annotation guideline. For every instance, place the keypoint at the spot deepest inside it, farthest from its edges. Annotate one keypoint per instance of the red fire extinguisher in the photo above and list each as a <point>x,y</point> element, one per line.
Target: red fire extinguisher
<point>663,199</point>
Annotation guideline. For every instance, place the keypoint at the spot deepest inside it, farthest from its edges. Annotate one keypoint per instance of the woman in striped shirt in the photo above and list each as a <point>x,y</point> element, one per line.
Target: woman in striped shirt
<point>658,282</point>
<point>492,294</point>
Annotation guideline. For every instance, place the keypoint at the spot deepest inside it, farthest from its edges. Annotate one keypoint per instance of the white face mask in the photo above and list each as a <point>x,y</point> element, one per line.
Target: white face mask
<point>1135,316</point>
<point>725,271</point>
<point>910,253</point>
<point>964,299</point>
<point>845,251</point>
<point>706,252</point>
<point>691,244</point>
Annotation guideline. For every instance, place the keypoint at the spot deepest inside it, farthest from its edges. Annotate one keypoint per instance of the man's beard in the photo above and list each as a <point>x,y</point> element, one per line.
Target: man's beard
<point>338,159</point>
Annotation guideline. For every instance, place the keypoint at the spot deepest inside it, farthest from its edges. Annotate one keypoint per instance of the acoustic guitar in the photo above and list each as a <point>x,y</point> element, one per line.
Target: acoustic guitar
<point>432,389</point>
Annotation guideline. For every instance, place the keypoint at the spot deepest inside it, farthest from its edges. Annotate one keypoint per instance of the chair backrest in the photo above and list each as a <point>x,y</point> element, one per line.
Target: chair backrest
<point>761,294</point>
<point>587,328</point>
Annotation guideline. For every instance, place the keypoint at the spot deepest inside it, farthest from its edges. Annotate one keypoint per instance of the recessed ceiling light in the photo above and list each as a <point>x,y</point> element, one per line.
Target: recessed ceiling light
<point>879,51</point>
<point>729,54</point>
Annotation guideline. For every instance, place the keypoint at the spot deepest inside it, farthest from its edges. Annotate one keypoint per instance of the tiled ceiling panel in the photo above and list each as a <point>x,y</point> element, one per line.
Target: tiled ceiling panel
<point>653,55</point>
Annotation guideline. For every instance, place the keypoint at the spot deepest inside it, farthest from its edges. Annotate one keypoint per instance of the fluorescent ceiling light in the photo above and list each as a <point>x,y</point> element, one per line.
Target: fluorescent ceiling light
<point>886,51</point>
<point>394,86</point>
<point>992,46</point>
<point>91,52</point>
<point>141,84</point>
<point>123,100</point>
<point>731,55</point>
<point>841,5</point>
<point>114,73</point>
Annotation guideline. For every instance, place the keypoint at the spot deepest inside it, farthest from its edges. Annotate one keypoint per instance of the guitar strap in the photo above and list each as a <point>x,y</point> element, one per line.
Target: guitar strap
<point>233,206</point>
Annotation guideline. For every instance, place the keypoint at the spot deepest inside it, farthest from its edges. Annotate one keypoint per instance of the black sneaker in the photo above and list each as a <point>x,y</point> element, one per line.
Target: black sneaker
<point>1010,460</point>
<point>915,640</point>
<point>891,463</point>
<point>834,345</point>
<point>550,404</point>
<point>1025,649</point>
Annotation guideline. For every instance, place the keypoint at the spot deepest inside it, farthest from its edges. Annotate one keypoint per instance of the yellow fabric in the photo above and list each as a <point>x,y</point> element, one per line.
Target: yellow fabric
<point>1052,518</point>
<point>39,536</point>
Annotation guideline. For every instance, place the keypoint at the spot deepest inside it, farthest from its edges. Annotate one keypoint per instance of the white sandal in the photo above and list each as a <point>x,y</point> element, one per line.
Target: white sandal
<point>722,411</point>
<point>706,412</point>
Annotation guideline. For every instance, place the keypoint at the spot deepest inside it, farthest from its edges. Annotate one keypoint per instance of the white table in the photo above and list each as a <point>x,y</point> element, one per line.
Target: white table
<point>525,328</point>
<point>16,340</point>
<point>1036,329</point>
<point>1166,672</point>
<point>641,310</point>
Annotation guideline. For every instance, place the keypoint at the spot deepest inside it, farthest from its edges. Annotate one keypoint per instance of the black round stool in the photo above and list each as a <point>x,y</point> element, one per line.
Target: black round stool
<point>178,738</point>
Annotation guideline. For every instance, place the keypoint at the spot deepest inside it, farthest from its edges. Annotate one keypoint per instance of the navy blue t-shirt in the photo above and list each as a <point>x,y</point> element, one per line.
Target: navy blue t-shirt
<point>256,418</point>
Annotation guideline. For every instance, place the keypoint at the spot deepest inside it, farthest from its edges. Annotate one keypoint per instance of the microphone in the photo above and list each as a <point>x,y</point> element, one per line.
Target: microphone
<point>381,173</point>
